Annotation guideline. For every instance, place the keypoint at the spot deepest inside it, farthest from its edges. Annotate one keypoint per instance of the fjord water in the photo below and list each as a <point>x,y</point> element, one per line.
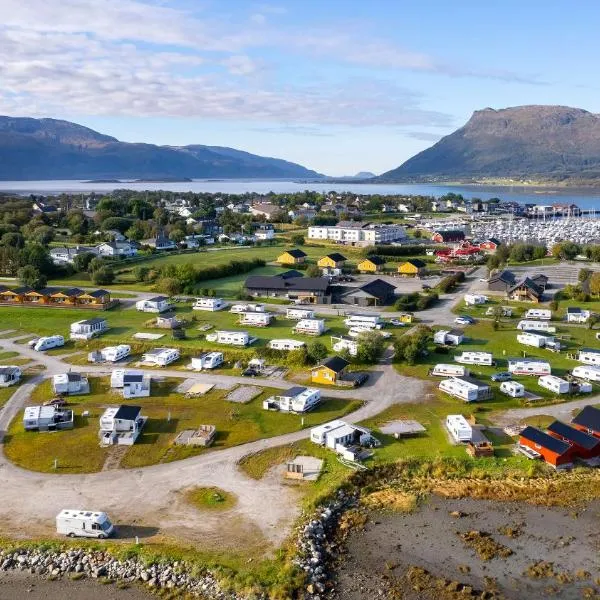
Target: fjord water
<point>587,198</point>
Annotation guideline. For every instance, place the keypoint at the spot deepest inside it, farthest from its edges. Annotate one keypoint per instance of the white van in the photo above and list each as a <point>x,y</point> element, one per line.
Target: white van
<point>46,343</point>
<point>514,389</point>
<point>590,373</point>
<point>84,523</point>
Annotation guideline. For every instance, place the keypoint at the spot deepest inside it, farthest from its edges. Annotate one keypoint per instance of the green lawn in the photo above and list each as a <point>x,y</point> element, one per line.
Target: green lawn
<point>78,450</point>
<point>210,498</point>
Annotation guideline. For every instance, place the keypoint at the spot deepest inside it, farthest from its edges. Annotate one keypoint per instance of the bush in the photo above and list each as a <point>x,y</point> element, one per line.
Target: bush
<point>103,276</point>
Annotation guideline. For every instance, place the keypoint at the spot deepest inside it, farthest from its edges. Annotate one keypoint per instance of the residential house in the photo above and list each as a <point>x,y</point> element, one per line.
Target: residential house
<point>9,375</point>
<point>330,371</point>
<point>296,399</point>
<point>490,245</point>
<point>575,314</point>
<point>161,357</point>
<point>412,268</point>
<point>355,233</point>
<point>157,304</point>
<point>42,207</point>
<point>121,425</point>
<point>264,232</point>
<point>302,290</point>
<point>292,257</point>
<point>375,293</point>
<point>448,236</point>
<point>160,242</point>
<point>554,451</point>
<point>588,420</point>
<point>342,437</point>
<point>290,274</point>
<point>70,383</point>
<point>47,418</point>
<point>583,444</point>
<point>265,209</point>
<point>501,282</point>
<point>88,328</point>
<point>66,255</point>
<point>117,249</point>
<point>371,264</point>
<point>526,290</point>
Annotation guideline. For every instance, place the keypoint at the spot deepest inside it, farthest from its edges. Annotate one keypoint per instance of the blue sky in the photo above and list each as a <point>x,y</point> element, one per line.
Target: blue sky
<point>338,86</point>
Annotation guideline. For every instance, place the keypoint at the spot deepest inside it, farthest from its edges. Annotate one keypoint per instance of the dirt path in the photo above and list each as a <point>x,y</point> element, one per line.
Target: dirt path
<point>564,411</point>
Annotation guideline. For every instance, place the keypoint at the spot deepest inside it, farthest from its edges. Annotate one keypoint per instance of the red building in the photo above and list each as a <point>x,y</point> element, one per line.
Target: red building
<point>588,421</point>
<point>490,245</point>
<point>554,451</point>
<point>583,444</point>
<point>451,235</point>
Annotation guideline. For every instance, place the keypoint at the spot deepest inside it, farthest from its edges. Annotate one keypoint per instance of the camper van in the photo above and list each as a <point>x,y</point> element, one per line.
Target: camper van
<point>46,343</point>
<point>514,389</point>
<point>531,366</point>
<point>539,313</point>
<point>84,523</point>
<point>536,326</point>
<point>366,321</point>
<point>447,370</point>
<point>475,358</point>
<point>589,373</point>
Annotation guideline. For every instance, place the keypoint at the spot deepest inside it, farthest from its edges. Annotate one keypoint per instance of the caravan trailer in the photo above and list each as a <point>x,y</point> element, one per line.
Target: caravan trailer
<point>115,353</point>
<point>529,366</point>
<point>587,372</point>
<point>484,359</point>
<point>247,307</point>
<point>210,360</point>
<point>473,299</point>
<point>256,319</point>
<point>296,314</point>
<point>514,389</point>
<point>460,388</point>
<point>366,321</point>
<point>310,326</point>
<point>459,428</point>
<point>554,384</point>
<point>589,356</point>
<point>230,337</point>
<point>448,370</point>
<point>46,343</point>
<point>84,523</point>
<point>539,313</point>
<point>210,304</point>
<point>536,326</point>
<point>533,339</point>
<point>286,344</point>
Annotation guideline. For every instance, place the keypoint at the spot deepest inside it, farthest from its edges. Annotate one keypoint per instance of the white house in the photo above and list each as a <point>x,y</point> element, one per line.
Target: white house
<point>64,255</point>
<point>115,353</point>
<point>158,304</point>
<point>473,299</point>
<point>256,319</point>
<point>116,249</point>
<point>338,433</point>
<point>459,388</point>
<point>459,428</point>
<point>296,399</point>
<point>577,315</point>
<point>89,328</point>
<point>475,358</point>
<point>357,234</point>
<point>161,357</point>
<point>529,366</point>
<point>286,344</point>
<point>247,307</point>
<point>449,370</point>
<point>296,314</point>
<point>545,326</point>
<point>451,337</point>
<point>341,343</point>
<point>229,337</point>
<point>208,360</point>
<point>536,340</point>
<point>46,418</point>
<point>589,356</point>
<point>121,425</point>
<point>513,389</point>
<point>263,234</point>
<point>9,375</point>
<point>210,304</point>
<point>70,383</point>
<point>587,372</point>
<point>539,313</point>
<point>310,326</point>
<point>370,321</point>
<point>554,384</point>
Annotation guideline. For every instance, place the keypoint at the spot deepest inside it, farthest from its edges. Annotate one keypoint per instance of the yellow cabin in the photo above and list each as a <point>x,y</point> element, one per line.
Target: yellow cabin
<point>332,261</point>
<point>292,257</point>
<point>330,371</point>
<point>372,264</point>
<point>406,318</point>
<point>412,268</point>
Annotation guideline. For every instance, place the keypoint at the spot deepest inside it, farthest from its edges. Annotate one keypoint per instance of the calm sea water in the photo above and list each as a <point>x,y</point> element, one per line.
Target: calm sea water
<point>584,198</point>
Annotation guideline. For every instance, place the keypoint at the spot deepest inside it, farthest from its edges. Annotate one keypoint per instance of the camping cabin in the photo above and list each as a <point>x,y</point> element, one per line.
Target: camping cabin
<point>475,358</point>
<point>256,319</point>
<point>577,315</point>
<point>286,344</point>
<point>449,370</point>
<point>452,337</point>
<point>229,337</point>
<point>587,372</point>
<point>158,304</point>
<point>136,385</point>
<point>583,444</point>
<point>554,451</point>
<point>371,264</point>
<point>340,436</point>
<point>335,260</point>
<point>292,257</point>
<point>9,375</point>
<point>121,425</point>
<point>88,328</point>
<point>161,357</point>
<point>588,420</point>
<point>295,314</point>
<point>209,360</point>
<point>589,356</point>
<point>330,371</point>
<point>70,383</point>
<point>459,428</point>
<point>296,399</point>
<point>209,304</point>
<point>47,418</point>
<point>529,366</point>
<point>310,326</point>
<point>554,384</point>
<point>343,343</point>
<point>539,313</point>
<point>412,268</point>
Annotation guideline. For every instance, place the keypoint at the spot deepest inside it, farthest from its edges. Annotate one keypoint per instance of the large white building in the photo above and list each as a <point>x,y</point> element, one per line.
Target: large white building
<point>355,233</point>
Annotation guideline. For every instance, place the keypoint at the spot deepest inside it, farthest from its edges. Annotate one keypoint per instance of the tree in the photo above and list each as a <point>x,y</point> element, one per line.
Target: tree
<point>82,261</point>
<point>297,239</point>
<point>118,223</point>
<point>43,235</point>
<point>370,347</point>
<point>141,273</point>
<point>593,320</point>
<point>31,277</point>
<point>169,286</point>
<point>13,239</point>
<point>595,284</point>
<point>37,255</point>
<point>103,276</point>
<point>313,271</point>
<point>316,351</point>
<point>583,275</point>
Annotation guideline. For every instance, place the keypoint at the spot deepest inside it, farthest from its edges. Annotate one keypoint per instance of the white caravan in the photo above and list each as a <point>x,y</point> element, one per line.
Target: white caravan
<point>588,372</point>
<point>536,326</point>
<point>286,344</point>
<point>210,360</point>
<point>230,337</point>
<point>475,358</point>
<point>532,366</point>
<point>256,319</point>
<point>473,299</point>
<point>554,384</point>
<point>310,326</point>
<point>449,370</point>
<point>296,314</point>
<point>459,428</point>
<point>514,389</point>
<point>84,523</point>
<point>161,357</point>
<point>589,356</point>
<point>247,307</point>
<point>539,313</point>
<point>366,321</point>
<point>115,353</point>
<point>533,339</point>
<point>46,343</point>
<point>210,304</point>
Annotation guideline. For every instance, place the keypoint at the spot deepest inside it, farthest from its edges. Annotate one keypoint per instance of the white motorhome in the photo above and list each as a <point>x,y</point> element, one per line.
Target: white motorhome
<point>210,304</point>
<point>536,340</point>
<point>524,325</point>
<point>115,353</point>
<point>367,321</point>
<point>297,399</point>
<point>554,384</point>
<point>46,343</point>
<point>473,299</point>
<point>459,428</point>
<point>256,319</point>
<point>475,358</point>
<point>310,326</point>
<point>84,523</point>
<point>286,344</point>
<point>299,313</point>
<point>449,370</point>
<point>247,307</point>
<point>161,357</point>
<point>587,372</point>
<point>158,304</point>
<point>589,356</point>
<point>529,366</point>
<point>459,388</point>
<point>514,389</point>
<point>229,337</point>
<point>341,343</point>
<point>539,313</point>
<point>210,360</point>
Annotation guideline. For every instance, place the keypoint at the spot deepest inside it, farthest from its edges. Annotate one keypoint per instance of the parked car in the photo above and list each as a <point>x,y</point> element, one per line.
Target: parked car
<point>250,372</point>
<point>464,320</point>
<point>361,379</point>
<point>503,376</point>
<point>58,402</point>
<point>397,322</point>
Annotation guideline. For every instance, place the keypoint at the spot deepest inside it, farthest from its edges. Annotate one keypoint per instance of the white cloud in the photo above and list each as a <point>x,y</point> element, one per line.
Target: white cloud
<point>424,136</point>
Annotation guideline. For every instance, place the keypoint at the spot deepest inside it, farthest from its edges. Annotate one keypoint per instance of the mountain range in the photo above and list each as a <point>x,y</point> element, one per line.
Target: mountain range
<point>54,149</point>
<point>554,143</point>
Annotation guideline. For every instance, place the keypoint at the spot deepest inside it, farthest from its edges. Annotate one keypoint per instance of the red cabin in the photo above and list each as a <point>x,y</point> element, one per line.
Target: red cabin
<point>490,245</point>
<point>583,444</point>
<point>554,451</point>
<point>588,421</point>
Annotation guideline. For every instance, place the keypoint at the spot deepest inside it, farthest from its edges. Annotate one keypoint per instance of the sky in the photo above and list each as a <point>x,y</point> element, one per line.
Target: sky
<point>339,86</point>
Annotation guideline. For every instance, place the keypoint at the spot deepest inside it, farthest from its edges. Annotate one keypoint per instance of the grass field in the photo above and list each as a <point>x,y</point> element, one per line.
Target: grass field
<point>210,498</point>
<point>168,413</point>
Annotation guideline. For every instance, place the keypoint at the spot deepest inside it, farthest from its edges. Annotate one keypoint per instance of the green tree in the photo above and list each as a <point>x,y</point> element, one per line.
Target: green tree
<point>370,347</point>
<point>31,277</point>
<point>313,271</point>
<point>297,239</point>
<point>169,286</point>
<point>120,224</point>
<point>103,276</point>
<point>141,273</point>
<point>595,284</point>
<point>13,239</point>
<point>316,351</point>
<point>37,255</point>
<point>82,261</point>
